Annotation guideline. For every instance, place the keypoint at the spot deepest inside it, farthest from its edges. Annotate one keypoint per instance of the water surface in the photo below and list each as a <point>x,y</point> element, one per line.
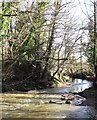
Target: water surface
<point>78,85</point>
<point>35,104</point>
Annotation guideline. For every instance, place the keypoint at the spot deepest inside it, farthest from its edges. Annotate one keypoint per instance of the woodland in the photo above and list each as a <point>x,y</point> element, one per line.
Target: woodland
<point>43,44</point>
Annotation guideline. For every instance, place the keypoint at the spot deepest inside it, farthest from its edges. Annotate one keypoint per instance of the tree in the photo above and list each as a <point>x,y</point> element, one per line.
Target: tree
<point>91,47</point>
<point>43,32</point>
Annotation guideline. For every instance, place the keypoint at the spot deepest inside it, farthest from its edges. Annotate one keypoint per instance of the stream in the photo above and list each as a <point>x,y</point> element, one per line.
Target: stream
<point>78,85</point>
<point>37,103</point>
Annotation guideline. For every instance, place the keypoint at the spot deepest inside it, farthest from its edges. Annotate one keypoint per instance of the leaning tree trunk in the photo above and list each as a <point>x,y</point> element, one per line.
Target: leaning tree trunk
<point>51,38</point>
<point>94,47</point>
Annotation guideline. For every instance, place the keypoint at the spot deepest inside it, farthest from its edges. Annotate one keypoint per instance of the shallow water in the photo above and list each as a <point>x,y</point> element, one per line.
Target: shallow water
<point>77,85</point>
<point>38,106</point>
<point>35,104</point>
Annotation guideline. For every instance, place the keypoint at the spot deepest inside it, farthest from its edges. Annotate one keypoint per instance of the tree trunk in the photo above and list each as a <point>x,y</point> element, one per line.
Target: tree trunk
<point>94,47</point>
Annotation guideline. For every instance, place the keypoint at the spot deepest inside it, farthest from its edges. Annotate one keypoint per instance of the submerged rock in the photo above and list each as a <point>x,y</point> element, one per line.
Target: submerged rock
<point>68,96</point>
<point>68,102</point>
<point>73,99</point>
<point>55,102</point>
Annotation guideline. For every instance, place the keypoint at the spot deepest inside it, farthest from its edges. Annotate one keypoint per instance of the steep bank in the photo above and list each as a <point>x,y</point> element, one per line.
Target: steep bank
<point>23,75</point>
<point>91,97</point>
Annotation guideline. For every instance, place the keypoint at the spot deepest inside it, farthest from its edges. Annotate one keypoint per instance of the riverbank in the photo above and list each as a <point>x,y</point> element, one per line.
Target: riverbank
<point>91,97</point>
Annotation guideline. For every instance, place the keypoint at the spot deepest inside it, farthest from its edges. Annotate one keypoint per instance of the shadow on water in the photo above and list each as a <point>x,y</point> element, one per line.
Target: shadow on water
<point>83,113</point>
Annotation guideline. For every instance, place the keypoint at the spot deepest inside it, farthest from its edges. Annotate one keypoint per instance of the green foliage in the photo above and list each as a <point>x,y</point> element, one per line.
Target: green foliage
<point>28,36</point>
<point>5,21</point>
<point>90,46</point>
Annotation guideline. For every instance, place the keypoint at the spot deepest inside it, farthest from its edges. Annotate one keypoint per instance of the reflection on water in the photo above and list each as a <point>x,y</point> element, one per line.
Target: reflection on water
<point>80,85</point>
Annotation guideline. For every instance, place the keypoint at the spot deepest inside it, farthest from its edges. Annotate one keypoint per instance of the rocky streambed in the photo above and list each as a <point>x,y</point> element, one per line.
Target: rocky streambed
<point>47,103</point>
<point>40,106</point>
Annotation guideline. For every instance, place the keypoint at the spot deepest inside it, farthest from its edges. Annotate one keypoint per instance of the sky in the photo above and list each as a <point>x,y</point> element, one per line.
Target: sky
<point>81,10</point>
<point>81,6</point>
